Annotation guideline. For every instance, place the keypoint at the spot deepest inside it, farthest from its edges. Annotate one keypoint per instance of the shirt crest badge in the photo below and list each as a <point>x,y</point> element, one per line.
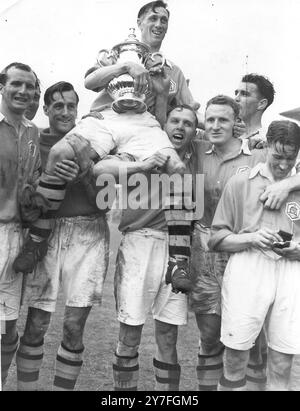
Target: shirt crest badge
<point>292,210</point>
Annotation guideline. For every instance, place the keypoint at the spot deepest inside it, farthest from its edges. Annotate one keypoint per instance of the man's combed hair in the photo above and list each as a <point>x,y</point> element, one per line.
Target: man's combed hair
<point>153,5</point>
<point>263,84</point>
<point>285,133</point>
<point>226,101</point>
<point>181,107</point>
<point>38,83</point>
<point>19,66</point>
<point>59,87</point>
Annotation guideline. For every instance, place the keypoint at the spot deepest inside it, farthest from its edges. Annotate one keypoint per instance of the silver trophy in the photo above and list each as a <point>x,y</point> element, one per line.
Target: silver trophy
<point>121,88</point>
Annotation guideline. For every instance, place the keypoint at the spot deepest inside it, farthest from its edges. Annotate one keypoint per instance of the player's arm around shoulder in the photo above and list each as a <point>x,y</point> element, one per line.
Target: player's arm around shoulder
<point>277,193</point>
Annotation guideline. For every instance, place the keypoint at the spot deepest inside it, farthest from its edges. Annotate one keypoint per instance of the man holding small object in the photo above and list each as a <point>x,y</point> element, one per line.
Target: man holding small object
<point>261,281</point>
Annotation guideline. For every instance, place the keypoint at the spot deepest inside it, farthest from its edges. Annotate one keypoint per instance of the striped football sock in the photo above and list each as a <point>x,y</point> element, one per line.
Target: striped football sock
<point>167,376</point>
<point>228,385</point>
<point>67,368</point>
<point>264,356</point>
<point>29,361</point>
<point>7,355</point>
<point>53,189</point>
<point>179,223</point>
<point>209,371</point>
<point>126,373</point>
<point>179,226</point>
<point>256,376</point>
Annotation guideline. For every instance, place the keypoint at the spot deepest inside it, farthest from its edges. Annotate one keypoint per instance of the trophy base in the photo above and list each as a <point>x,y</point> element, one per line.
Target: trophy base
<point>129,103</point>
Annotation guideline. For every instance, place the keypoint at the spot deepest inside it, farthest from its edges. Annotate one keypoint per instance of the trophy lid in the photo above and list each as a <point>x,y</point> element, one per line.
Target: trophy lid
<point>132,40</point>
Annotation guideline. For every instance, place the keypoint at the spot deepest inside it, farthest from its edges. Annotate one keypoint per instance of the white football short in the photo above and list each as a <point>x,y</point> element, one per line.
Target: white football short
<point>77,258</point>
<point>257,288</point>
<point>137,134</point>
<point>11,239</point>
<point>140,280</point>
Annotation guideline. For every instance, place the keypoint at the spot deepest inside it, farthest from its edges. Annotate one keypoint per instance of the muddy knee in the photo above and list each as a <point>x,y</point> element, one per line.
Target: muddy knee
<point>36,325</point>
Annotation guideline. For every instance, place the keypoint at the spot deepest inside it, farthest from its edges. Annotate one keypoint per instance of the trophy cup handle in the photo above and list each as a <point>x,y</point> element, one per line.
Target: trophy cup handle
<point>106,57</point>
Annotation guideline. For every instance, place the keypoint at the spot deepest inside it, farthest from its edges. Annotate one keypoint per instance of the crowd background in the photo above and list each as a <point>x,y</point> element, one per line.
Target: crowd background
<point>213,41</point>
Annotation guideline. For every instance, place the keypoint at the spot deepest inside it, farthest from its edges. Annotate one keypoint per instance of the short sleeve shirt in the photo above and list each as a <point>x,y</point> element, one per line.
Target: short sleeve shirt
<point>20,164</point>
<point>217,172</point>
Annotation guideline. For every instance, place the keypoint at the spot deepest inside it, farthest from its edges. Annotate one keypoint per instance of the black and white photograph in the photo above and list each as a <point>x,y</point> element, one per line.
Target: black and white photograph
<point>149,198</point>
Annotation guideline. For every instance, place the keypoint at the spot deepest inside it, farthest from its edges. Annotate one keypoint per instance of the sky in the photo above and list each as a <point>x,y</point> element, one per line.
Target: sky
<point>215,42</point>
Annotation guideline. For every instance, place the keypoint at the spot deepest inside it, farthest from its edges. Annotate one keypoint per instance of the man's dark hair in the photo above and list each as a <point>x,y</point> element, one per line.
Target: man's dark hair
<point>285,133</point>
<point>37,84</point>
<point>263,84</point>
<point>226,101</point>
<point>20,66</point>
<point>59,87</point>
<point>153,5</point>
<point>181,107</point>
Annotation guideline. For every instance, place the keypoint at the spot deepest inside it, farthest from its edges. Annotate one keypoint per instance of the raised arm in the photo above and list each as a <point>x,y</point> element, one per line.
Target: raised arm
<point>99,77</point>
<point>160,88</point>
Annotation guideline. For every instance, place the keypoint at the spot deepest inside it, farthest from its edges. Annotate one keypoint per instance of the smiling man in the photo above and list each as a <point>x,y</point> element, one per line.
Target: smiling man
<point>138,134</point>
<point>77,258</point>
<point>142,261</point>
<point>254,95</point>
<point>19,167</point>
<point>152,21</point>
<point>260,283</point>
<point>221,156</point>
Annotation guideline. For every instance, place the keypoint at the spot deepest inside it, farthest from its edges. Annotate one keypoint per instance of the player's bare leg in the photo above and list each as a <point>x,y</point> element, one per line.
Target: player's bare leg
<point>279,370</point>
<point>294,384</point>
